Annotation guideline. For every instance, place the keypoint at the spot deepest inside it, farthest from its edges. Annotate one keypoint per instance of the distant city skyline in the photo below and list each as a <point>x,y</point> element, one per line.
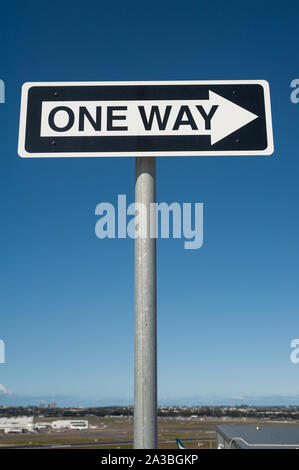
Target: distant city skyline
<point>12,399</point>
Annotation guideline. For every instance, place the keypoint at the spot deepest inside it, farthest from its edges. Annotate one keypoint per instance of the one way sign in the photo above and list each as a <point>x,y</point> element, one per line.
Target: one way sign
<point>145,119</point>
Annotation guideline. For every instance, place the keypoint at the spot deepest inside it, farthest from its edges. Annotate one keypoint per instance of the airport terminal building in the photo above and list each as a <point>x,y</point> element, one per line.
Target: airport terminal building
<point>26,424</point>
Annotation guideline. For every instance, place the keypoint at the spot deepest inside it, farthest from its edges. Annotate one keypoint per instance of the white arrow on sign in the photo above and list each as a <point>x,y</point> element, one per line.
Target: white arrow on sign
<point>217,117</point>
<point>229,118</point>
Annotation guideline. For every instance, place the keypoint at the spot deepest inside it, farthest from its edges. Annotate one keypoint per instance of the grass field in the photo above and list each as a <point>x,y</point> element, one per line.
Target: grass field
<point>118,433</point>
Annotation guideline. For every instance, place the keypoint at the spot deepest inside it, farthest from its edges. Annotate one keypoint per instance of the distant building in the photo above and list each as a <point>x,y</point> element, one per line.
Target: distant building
<point>70,424</point>
<point>229,436</point>
<point>17,425</point>
<point>42,426</point>
<point>26,424</point>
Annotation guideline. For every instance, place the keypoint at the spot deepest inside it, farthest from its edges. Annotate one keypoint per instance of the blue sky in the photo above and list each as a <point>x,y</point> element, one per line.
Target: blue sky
<point>227,312</point>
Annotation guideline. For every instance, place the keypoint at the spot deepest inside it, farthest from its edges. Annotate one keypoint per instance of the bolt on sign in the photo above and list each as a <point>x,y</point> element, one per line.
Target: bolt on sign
<point>95,119</point>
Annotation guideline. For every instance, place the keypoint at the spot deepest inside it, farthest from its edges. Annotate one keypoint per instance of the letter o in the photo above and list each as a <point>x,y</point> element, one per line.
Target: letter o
<point>65,128</point>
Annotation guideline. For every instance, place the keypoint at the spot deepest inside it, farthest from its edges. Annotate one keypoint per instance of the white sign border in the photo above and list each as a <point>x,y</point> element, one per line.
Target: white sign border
<point>23,114</point>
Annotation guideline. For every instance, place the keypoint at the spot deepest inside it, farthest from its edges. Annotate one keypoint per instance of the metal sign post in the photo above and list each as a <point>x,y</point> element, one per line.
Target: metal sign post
<point>145,386</point>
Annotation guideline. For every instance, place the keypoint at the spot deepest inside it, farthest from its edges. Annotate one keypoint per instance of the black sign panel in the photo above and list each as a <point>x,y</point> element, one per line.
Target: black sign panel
<point>145,119</point>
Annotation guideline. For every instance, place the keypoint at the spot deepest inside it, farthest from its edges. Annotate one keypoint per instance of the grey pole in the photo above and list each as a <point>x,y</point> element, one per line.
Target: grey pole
<point>145,386</point>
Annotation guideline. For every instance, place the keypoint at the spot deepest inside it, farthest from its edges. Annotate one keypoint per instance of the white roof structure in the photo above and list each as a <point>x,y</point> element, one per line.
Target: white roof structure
<point>19,424</point>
